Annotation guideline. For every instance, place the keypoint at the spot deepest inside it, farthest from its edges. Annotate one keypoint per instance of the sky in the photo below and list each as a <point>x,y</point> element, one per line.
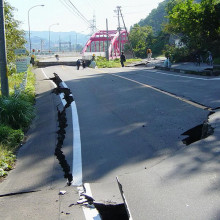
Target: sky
<point>60,15</point>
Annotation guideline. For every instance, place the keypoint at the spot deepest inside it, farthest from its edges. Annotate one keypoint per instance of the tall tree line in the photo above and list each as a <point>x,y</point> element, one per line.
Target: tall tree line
<point>195,23</point>
<point>15,37</point>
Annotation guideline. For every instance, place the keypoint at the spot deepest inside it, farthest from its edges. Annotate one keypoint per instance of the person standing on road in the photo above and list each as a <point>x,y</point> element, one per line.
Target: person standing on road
<point>209,59</point>
<point>78,64</point>
<point>83,64</point>
<point>149,54</point>
<point>122,59</point>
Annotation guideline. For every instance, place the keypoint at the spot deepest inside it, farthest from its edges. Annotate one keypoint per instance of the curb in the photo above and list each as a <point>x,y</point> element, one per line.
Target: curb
<point>203,73</point>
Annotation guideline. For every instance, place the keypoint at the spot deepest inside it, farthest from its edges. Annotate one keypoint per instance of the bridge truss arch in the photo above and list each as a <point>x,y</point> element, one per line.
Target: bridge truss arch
<point>98,43</point>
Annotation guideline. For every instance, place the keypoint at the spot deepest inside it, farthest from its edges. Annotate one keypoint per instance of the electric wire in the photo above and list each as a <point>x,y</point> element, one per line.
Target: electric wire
<point>71,7</point>
<point>79,13</point>
<point>74,10</point>
<point>66,7</point>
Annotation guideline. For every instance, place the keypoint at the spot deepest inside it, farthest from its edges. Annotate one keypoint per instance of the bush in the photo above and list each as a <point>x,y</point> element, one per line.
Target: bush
<point>217,60</point>
<point>7,160</point>
<point>102,62</point>
<point>11,68</point>
<point>178,54</point>
<point>16,112</point>
<point>10,137</point>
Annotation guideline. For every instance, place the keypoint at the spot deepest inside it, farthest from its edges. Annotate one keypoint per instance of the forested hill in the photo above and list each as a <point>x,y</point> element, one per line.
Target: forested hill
<point>157,17</point>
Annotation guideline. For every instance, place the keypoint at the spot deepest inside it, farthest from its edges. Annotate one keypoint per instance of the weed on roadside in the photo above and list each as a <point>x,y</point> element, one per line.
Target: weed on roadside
<point>16,115</point>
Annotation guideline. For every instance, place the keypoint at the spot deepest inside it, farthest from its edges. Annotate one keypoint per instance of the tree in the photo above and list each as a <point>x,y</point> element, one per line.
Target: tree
<point>198,24</point>
<point>158,42</point>
<point>156,18</point>
<point>14,36</point>
<point>138,36</point>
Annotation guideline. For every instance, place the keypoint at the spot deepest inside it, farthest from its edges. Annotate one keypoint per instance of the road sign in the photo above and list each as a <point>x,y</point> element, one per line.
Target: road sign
<point>20,51</point>
<point>22,64</point>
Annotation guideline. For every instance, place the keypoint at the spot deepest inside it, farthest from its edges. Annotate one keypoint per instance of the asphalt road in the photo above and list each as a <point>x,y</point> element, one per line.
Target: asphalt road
<point>130,119</point>
<point>126,125</point>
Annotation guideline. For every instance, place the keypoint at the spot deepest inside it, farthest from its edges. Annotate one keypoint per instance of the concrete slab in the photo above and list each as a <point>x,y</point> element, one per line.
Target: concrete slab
<point>36,205</point>
<point>106,193</point>
<point>184,186</point>
<point>44,204</point>
<point>69,209</point>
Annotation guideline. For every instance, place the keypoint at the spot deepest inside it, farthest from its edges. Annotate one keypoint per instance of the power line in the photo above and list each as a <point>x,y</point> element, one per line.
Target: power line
<point>73,9</point>
<point>69,5</point>
<point>66,6</point>
<point>79,13</point>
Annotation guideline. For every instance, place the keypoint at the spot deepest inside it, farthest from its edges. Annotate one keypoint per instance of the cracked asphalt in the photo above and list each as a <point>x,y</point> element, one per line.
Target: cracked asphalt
<point>130,130</point>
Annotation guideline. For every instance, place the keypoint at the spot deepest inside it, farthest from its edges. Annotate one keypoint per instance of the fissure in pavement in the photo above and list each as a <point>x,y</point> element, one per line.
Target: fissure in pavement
<point>110,212</point>
<point>107,212</point>
<point>19,193</point>
<point>62,120</point>
<point>199,132</point>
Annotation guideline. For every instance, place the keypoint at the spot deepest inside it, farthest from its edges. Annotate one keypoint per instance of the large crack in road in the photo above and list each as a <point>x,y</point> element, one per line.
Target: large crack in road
<point>110,211</point>
<point>62,120</point>
<point>198,132</point>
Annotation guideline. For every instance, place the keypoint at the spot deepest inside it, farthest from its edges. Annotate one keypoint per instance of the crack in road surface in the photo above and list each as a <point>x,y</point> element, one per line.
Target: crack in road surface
<point>19,193</point>
<point>62,120</point>
<point>199,132</point>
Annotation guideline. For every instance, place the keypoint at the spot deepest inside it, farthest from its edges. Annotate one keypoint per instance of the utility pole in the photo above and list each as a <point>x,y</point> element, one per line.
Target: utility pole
<point>41,45</point>
<point>127,34</point>
<point>119,30</point>
<point>59,44</point>
<point>76,42</point>
<point>93,24</point>
<point>107,50</point>
<point>3,59</point>
<point>70,44</point>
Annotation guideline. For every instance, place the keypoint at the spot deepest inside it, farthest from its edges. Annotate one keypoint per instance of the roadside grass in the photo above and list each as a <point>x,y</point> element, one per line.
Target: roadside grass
<point>102,62</point>
<point>16,114</point>
<point>217,60</point>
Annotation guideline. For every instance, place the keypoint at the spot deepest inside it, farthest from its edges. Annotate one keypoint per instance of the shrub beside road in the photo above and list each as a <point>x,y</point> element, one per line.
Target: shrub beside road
<point>16,114</point>
<point>102,62</point>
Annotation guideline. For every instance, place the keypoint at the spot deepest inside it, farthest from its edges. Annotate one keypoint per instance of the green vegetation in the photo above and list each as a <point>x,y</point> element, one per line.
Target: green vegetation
<point>196,24</point>
<point>217,60</point>
<point>16,114</point>
<point>157,18</point>
<point>14,36</point>
<point>16,111</point>
<point>102,62</point>
<point>138,36</point>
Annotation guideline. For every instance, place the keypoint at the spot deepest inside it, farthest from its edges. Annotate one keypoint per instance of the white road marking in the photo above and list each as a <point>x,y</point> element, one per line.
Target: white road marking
<point>90,213</point>
<point>64,85</point>
<point>54,84</point>
<point>48,78</point>
<point>188,77</point>
<point>163,92</point>
<point>77,155</point>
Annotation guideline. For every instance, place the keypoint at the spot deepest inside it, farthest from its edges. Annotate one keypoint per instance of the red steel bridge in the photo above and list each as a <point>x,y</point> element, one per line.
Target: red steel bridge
<point>98,42</point>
